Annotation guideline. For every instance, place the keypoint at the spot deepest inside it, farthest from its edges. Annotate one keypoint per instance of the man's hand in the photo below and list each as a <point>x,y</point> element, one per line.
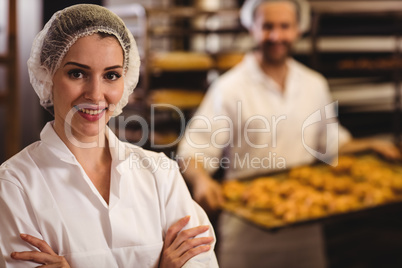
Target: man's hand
<point>45,255</point>
<point>205,190</point>
<point>208,193</point>
<point>387,149</point>
<point>179,247</point>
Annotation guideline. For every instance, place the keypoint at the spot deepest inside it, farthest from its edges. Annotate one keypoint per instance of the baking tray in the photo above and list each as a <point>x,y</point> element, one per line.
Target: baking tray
<point>267,220</point>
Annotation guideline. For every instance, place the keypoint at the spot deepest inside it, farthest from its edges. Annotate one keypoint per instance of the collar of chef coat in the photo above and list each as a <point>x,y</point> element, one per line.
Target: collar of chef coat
<point>259,76</point>
<point>118,151</point>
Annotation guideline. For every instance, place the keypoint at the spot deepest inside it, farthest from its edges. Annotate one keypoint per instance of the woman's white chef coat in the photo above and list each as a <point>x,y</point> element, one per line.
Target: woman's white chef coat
<point>45,192</point>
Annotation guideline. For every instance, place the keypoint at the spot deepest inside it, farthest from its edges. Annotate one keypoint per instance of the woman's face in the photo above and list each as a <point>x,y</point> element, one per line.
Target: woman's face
<point>88,84</point>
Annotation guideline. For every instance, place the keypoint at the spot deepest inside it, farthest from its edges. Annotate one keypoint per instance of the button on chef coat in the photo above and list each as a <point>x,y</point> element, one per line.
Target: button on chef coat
<point>45,192</point>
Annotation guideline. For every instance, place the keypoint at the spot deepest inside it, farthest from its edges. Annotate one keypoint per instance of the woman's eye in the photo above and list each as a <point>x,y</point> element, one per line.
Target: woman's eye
<point>76,74</point>
<point>112,76</point>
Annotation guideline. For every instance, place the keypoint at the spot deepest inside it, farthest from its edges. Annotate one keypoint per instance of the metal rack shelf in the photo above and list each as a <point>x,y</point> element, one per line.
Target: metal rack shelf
<point>360,34</point>
<point>9,99</point>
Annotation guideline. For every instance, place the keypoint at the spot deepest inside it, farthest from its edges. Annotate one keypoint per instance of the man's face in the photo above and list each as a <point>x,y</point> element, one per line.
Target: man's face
<point>275,29</point>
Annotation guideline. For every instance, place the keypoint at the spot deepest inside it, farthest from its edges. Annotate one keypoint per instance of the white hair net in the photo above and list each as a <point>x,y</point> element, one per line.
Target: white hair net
<point>62,31</point>
<point>248,9</point>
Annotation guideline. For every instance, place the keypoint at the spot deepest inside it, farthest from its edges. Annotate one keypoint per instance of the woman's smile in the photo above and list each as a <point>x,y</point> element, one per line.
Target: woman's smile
<point>91,114</point>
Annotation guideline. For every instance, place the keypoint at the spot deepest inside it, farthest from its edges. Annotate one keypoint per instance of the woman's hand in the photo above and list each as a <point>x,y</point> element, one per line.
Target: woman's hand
<point>180,247</point>
<point>45,256</point>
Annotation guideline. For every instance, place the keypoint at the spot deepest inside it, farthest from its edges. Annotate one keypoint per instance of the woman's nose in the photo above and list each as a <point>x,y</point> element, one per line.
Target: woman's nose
<point>93,90</point>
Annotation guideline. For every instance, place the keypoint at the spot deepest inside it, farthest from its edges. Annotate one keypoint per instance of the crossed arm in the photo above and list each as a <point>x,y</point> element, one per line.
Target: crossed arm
<point>178,248</point>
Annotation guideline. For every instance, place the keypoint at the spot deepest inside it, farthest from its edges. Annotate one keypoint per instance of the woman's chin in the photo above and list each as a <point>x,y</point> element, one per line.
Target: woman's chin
<point>86,132</point>
<point>91,131</point>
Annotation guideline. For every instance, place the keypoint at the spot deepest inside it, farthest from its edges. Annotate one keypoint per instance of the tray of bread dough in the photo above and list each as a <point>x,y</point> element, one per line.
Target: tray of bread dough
<point>313,193</point>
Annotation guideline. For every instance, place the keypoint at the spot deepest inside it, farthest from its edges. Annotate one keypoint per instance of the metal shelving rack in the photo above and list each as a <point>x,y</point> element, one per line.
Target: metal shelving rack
<point>389,11</point>
<point>144,32</point>
<point>10,97</point>
<point>178,31</point>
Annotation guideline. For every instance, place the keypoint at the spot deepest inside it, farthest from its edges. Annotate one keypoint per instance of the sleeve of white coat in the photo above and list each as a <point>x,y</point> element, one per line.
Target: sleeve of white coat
<point>16,217</point>
<point>334,135</point>
<point>177,203</point>
<point>205,136</point>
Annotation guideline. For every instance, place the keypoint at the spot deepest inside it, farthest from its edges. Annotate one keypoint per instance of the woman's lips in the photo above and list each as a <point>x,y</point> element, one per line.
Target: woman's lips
<point>91,114</point>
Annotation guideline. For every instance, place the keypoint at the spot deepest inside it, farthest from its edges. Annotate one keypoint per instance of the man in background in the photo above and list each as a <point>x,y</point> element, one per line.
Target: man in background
<point>255,119</point>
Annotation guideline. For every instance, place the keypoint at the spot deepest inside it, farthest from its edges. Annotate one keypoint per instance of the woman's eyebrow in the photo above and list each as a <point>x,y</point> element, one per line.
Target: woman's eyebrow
<point>114,67</point>
<point>87,67</point>
<point>77,64</point>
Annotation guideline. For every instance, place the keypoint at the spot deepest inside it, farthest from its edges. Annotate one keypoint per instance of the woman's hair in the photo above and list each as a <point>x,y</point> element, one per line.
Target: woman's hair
<point>63,30</point>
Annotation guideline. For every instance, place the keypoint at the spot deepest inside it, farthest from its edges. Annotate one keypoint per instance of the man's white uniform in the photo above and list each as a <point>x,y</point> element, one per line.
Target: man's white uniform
<point>253,127</point>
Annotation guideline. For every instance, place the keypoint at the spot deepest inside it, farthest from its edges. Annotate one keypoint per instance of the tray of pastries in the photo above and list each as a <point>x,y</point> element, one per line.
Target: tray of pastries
<point>314,193</point>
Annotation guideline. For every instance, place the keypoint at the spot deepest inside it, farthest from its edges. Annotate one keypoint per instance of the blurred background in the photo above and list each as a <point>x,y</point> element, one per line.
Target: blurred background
<point>186,44</point>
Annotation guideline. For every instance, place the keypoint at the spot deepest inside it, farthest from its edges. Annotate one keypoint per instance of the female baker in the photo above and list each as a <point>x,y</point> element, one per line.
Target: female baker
<point>79,197</point>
